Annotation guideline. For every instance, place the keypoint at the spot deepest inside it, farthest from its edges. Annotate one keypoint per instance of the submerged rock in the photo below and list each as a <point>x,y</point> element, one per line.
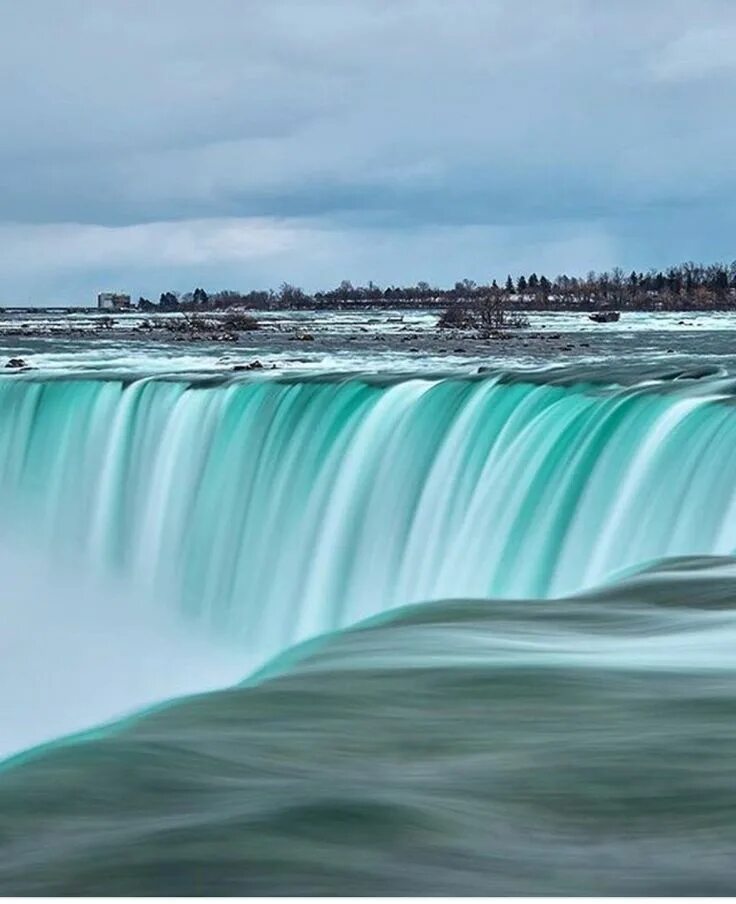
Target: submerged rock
<point>254,365</point>
<point>18,364</point>
<point>605,316</point>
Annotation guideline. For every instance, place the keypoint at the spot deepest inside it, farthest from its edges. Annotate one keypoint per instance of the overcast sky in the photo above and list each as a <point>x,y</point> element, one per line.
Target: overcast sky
<point>156,144</point>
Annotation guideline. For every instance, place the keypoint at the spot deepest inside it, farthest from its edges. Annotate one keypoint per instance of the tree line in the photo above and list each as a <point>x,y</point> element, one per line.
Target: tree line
<point>686,286</point>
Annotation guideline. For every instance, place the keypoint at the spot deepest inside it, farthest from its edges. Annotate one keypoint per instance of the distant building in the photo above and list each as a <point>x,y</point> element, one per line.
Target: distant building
<point>113,301</point>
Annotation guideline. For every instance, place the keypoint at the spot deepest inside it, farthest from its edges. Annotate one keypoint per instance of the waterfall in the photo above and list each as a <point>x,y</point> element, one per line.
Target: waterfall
<point>272,510</point>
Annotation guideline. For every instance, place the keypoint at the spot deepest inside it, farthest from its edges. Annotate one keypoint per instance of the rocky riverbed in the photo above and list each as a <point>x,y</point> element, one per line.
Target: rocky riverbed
<point>304,341</point>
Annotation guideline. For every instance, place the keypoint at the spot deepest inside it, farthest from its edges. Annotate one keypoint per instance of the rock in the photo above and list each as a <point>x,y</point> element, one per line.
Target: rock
<point>18,364</point>
<point>254,365</point>
<point>605,316</point>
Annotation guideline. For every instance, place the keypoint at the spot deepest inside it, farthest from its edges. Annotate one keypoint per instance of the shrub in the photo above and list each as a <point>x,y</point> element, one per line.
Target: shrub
<point>239,321</point>
<point>487,315</point>
<point>492,316</point>
<point>456,316</point>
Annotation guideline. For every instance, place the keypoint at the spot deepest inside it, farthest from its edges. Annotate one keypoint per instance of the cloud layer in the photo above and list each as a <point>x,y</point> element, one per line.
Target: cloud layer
<point>156,145</point>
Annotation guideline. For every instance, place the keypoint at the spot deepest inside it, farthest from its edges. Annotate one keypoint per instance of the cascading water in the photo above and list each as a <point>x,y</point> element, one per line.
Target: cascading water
<point>162,537</point>
<point>275,510</point>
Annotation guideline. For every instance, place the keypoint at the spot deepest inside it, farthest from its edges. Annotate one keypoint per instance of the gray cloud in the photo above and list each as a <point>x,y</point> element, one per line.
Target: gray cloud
<point>155,143</point>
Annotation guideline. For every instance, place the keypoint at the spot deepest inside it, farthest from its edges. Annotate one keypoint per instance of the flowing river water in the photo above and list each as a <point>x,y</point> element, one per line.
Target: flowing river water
<point>458,631</point>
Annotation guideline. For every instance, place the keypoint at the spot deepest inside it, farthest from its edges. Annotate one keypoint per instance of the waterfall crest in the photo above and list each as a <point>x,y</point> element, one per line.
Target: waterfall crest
<point>277,509</point>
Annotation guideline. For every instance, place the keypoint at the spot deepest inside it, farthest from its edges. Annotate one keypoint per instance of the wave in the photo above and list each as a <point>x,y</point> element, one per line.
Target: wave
<point>574,746</point>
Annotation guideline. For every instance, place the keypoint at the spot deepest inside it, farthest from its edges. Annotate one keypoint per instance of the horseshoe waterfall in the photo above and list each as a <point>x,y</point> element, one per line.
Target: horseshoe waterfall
<point>344,611</point>
<point>278,510</point>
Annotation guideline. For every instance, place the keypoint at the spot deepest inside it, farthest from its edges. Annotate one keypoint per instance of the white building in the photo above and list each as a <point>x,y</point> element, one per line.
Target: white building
<point>113,301</point>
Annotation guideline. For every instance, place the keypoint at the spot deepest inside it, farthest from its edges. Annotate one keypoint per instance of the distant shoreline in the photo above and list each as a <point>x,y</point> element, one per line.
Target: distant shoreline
<point>687,305</point>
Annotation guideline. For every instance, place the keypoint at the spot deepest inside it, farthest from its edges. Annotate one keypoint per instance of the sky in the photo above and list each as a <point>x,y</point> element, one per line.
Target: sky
<point>149,145</point>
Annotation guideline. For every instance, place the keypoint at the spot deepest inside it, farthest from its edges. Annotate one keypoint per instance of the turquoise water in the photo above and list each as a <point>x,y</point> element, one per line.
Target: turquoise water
<point>583,746</point>
<point>164,536</point>
<point>275,510</point>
